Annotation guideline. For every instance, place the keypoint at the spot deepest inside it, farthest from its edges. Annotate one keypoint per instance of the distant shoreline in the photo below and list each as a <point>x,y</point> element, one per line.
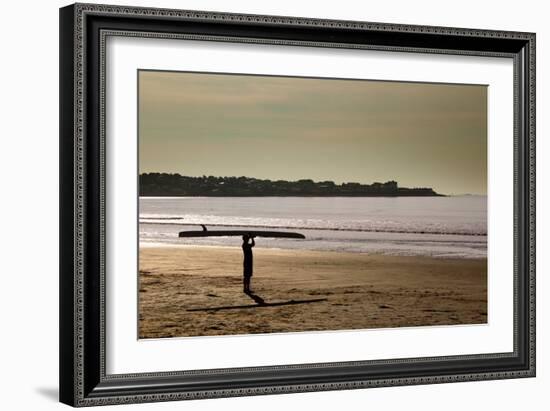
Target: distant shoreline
<point>176,185</point>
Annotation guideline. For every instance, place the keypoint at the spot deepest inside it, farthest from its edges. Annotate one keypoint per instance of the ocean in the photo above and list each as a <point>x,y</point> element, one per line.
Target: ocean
<point>444,227</point>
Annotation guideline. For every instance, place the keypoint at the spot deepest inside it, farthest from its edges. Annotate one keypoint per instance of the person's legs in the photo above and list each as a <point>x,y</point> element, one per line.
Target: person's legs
<point>246,284</point>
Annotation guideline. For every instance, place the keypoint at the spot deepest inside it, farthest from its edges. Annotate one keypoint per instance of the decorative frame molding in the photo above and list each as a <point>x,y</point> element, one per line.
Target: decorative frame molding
<point>83,32</point>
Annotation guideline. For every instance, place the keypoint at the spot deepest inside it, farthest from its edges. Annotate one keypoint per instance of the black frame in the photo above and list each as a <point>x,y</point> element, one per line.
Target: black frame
<point>83,30</point>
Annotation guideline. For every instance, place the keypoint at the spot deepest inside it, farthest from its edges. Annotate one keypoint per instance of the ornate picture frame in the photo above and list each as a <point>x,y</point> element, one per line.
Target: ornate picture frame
<point>84,30</point>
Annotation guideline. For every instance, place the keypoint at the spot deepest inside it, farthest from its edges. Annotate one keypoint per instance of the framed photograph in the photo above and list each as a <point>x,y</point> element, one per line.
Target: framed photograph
<point>262,204</point>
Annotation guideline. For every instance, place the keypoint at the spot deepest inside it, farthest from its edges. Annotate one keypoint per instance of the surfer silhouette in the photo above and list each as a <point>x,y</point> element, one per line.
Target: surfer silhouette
<point>247,261</point>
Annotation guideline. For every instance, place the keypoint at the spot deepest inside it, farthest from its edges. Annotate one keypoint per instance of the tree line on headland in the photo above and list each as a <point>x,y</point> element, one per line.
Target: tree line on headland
<point>176,185</point>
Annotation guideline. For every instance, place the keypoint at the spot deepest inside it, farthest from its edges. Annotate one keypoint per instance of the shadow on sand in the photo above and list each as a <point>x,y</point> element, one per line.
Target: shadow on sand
<point>260,302</point>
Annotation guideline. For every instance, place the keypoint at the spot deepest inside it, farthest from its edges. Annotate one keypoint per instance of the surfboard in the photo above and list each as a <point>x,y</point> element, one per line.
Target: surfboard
<point>228,233</point>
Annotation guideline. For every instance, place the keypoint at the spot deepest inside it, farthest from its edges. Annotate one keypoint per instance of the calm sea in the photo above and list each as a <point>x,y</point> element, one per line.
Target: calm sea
<point>431,226</point>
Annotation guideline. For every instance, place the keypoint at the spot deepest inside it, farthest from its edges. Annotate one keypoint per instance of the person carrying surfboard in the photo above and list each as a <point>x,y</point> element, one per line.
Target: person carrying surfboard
<point>247,246</point>
<point>247,261</point>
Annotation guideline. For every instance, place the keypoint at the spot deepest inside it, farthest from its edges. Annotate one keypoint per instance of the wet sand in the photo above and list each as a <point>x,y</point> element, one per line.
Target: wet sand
<point>197,290</point>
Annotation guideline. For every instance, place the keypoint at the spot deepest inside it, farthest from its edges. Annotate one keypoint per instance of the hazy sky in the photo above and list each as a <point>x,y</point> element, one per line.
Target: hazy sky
<point>419,134</point>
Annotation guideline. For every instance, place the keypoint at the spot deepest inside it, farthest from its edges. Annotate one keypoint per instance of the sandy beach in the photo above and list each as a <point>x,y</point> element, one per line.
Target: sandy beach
<point>192,291</point>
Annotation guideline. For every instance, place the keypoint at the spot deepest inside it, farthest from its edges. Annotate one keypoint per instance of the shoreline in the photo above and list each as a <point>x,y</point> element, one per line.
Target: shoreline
<point>291,196</point>
<point>158,245</point>
<point>190,290</point>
